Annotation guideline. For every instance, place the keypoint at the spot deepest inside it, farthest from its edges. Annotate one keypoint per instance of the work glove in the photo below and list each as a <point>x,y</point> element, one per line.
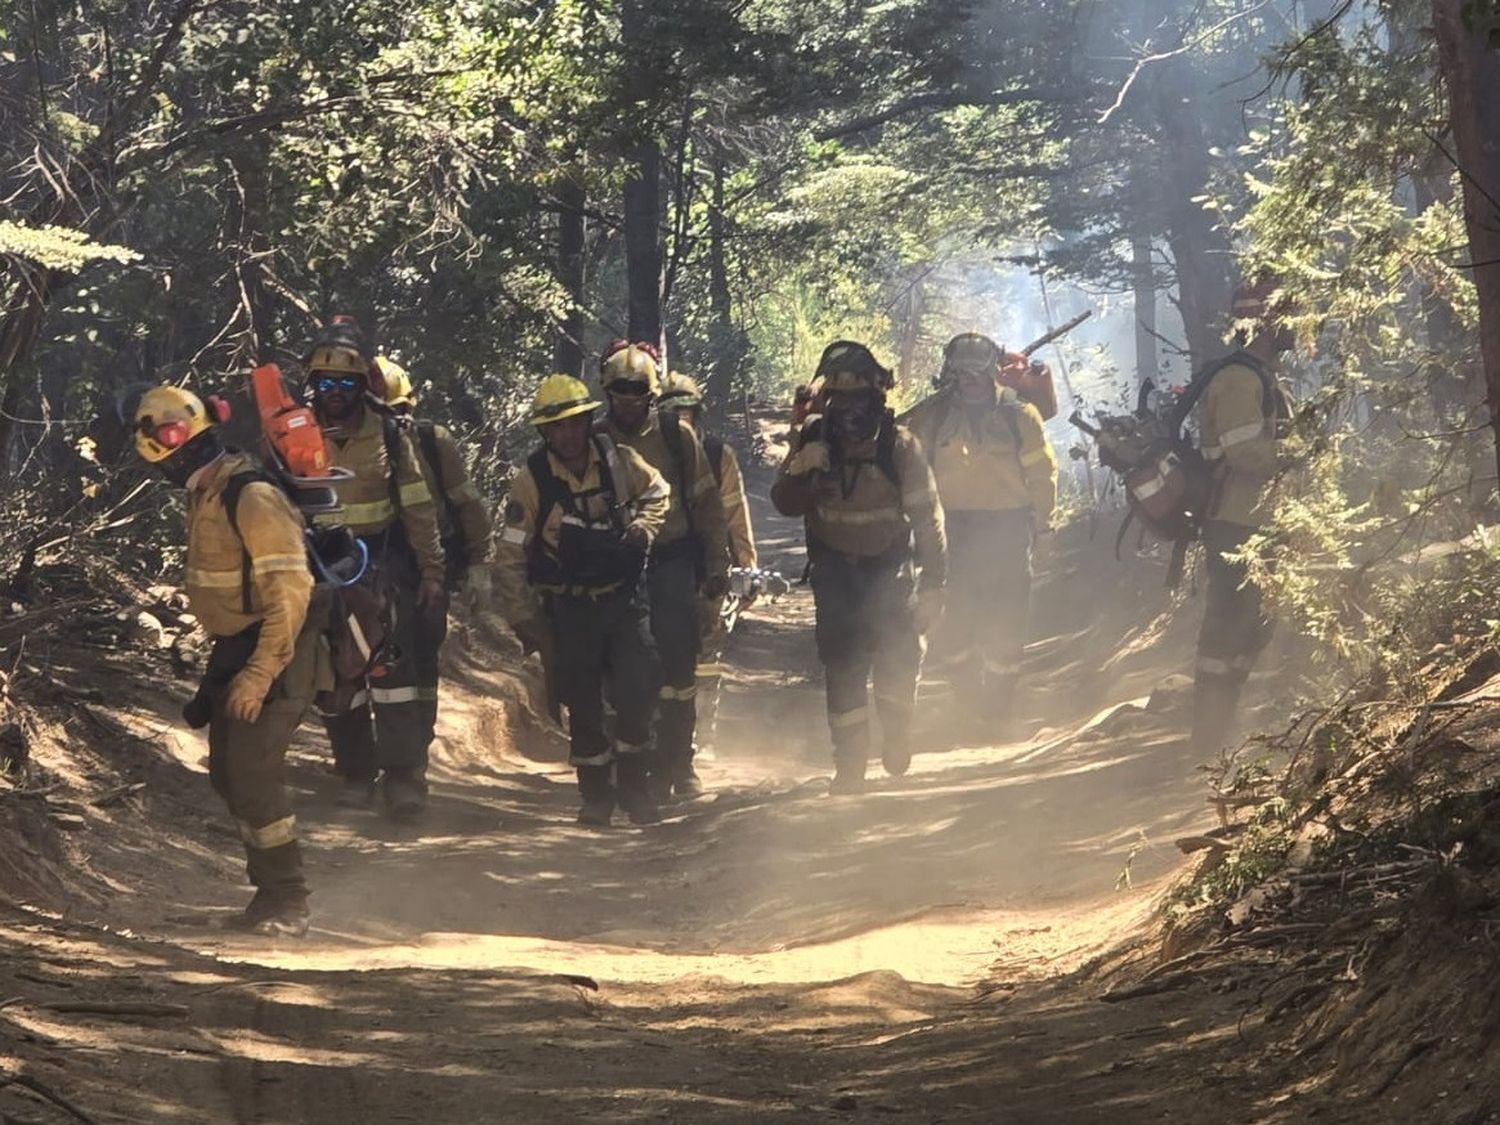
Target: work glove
<point>531,633</point>
<point>637,536</point>
<point>811,458</point>
<point>246,697</point>
<point>479,587</point>
<point>929,611</point>
<point>430,593</point>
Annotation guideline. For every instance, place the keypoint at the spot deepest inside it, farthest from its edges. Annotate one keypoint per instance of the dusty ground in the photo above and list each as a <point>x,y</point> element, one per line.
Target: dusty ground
<point>931,952</point>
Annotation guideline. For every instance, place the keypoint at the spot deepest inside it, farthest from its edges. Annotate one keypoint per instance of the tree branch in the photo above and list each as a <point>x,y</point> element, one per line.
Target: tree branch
<point>932,99</point>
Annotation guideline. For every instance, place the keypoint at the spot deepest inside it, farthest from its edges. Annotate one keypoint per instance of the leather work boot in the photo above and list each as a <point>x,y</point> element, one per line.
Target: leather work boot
<point>634,790</point>
<point>689,785</point>
<point>274,913</point>
<point>405,793</point>
<point>848,775</point>
<point>895,754</point>
<point>597,813</point>
<point>356,793</point>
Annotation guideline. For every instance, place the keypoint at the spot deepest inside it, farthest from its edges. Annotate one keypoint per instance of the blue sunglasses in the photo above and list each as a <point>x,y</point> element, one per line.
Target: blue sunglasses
<point>325,384</point>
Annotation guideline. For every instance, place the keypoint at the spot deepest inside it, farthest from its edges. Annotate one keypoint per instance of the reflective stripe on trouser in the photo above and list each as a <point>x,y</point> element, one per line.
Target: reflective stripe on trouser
<point>672,584</point>
<point>389,727</point>
<point>603,645</point>
<point>989,595</point>
<point>247,766</point>
<point>865,629</point>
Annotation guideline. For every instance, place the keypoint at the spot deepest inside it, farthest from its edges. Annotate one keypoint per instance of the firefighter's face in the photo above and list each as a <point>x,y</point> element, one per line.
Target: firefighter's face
<point>629,403</point>
<point>336,396</point>
<point>854,416</point>
<point>976,387</point>
<point>568,440</point>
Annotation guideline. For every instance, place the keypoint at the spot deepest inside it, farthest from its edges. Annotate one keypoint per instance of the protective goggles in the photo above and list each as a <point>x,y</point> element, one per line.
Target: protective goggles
<point>327,384</point>
<point>629,388</point>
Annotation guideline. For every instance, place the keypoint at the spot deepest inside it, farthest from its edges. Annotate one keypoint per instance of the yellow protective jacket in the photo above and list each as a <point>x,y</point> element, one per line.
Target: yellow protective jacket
<point>856,509</point>
<point>367,497</point>
<point>271,533</point>
<point>736,510</point>
<point>645,494</point>
<point>994,460</point>
<point>458,500</point>
<point>1237,435</point>
<point>693,488</point>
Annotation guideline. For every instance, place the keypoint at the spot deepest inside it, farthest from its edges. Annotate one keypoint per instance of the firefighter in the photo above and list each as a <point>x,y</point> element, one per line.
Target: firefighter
<point>463,526</point>
<point>997,476</point>
<point>681,396</point>
<point>1238,414</point>
<point>580,520</point>
<point>249,585</point>
<point>386,732</point>
<point>689,560</point>
<point>865,491</point>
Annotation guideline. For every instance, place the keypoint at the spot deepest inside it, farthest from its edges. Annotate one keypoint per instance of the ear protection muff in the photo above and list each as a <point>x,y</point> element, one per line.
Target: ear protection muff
<point>218,408</point>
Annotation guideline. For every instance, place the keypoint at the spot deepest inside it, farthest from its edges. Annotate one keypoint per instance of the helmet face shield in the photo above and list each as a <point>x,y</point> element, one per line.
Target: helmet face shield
<point>973,354</point>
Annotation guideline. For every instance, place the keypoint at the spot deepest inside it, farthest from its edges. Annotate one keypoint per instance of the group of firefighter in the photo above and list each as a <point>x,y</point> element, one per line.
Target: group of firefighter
<point>614,557</point>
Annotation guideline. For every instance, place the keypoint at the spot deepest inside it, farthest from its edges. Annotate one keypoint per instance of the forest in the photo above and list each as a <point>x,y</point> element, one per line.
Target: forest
<point>496,190</point>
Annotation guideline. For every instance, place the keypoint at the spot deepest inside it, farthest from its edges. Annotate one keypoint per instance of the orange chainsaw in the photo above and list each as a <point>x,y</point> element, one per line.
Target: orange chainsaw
<point>294,442</point>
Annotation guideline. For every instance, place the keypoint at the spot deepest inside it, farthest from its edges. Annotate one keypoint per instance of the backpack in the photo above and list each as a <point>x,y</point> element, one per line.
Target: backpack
<point>455,544</point>
<point>354,614</point>
<point>1168,483</point>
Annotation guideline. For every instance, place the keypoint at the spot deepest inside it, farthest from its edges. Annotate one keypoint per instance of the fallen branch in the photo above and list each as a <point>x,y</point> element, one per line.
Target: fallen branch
<point>109,797</point>
<point>39,1088</point>
<point>1150,987</point>
<point>118,1008</point>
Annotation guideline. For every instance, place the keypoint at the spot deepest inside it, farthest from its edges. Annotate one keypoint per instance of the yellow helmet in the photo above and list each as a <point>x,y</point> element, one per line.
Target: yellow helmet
<point>630,364</point>
<point>392,383</point>
<point>167,418</point>
<point>559,397</point>
<point>680,392</point>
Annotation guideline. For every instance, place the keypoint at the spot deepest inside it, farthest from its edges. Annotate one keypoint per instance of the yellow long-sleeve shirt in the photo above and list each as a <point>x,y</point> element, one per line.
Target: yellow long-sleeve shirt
<point>366,497</point>
<point>640,488</point>
<point>696,491</point>
<point>271,534</point>
<point>854,508</point>
<point>467,507</point>
<point>978,461</point>
<point>1237,434</point>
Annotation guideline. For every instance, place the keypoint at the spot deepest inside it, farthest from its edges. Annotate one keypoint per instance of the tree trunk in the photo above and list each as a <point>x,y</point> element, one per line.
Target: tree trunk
<point>572,231</point>
<point>1199,249</point>
<point>1472,72</point>
<point>643,258</point>
<point>1143,284</point>
<point>728,341</point>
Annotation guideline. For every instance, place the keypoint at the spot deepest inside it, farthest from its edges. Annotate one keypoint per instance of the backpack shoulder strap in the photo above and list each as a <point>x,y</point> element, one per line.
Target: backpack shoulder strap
<point>391,430</point>
<point>233,488</point>
<point>713,445</point>
<point>612,478</point>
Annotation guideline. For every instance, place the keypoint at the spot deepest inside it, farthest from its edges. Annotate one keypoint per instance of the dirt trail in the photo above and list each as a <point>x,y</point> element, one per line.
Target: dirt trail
<point>766,952</point>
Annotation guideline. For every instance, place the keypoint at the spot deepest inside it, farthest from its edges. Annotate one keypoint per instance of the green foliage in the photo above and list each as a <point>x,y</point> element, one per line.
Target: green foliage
<point>57,248</point>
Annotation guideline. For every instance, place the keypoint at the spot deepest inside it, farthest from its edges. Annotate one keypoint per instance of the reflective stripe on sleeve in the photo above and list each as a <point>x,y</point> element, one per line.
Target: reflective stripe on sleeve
<point>267,564</point>
<point>517,535</point>
<point>1241,434</point>
<point>857,517</point>
<point>414,494</point>
<point>366,515</point>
